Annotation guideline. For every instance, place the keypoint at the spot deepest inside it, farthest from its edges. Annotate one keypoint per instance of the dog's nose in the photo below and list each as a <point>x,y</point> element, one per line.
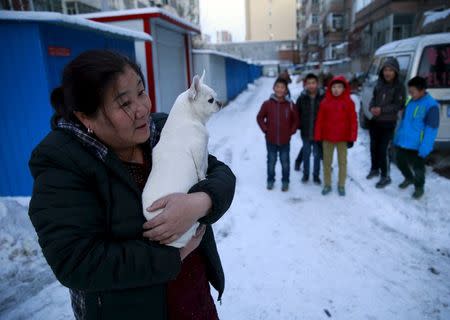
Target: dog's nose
<point>220,104</point>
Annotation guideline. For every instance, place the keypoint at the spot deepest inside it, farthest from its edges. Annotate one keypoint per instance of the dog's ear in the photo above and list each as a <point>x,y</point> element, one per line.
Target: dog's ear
<point>203,76</point>
<point>195,88</point>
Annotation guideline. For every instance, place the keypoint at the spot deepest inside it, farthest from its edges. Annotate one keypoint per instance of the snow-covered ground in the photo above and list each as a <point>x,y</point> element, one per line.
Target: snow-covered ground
<point>375,254</point>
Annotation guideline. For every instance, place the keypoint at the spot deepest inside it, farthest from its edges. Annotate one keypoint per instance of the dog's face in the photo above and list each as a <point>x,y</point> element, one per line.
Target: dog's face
<point>202,98</point>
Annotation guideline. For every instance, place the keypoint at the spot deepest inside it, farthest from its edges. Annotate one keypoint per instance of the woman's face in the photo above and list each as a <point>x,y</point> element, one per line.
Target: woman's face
<point>123,121</point>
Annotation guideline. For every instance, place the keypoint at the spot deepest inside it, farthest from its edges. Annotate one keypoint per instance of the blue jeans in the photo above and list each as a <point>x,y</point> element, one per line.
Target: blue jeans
<point>308,146</point>
<point>272,155</point>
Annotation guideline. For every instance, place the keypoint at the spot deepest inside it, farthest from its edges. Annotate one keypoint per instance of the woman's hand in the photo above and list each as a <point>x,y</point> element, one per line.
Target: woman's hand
<point>193,243</point>
<point>180,212</point>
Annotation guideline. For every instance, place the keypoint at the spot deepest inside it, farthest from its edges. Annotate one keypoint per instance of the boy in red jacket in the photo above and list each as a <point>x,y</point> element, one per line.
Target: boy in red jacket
<point>278,119</point>
<point>336,127</point>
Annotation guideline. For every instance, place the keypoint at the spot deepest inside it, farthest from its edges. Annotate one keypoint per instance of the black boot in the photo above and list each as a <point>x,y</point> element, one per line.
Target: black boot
<point>384,181</point>
<point>405,184</point>
<point>305,178</point>
<point>418,193</point>
<point>317,180</point>
<point>373,174</point>
<point>297,165</point>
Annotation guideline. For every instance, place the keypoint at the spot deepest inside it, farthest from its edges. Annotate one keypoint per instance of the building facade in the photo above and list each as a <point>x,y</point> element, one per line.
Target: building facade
<point>224,36</point>
<point>187,9</point>
<point>378,22</point>
<point>271,20</point>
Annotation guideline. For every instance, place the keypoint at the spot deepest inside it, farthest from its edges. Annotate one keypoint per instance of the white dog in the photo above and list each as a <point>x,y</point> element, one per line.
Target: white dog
<point>180,159</point>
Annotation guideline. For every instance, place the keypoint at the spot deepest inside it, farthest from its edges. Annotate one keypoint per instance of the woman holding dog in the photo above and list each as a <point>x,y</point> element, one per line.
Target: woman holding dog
<point>89,173</point>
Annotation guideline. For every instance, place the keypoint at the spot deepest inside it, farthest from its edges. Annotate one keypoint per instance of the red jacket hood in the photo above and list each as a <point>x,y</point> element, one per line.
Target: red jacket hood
<point>345,95</point>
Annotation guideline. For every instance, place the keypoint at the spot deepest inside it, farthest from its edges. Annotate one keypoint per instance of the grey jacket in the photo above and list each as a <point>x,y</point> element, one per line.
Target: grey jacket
<point>390,97</point>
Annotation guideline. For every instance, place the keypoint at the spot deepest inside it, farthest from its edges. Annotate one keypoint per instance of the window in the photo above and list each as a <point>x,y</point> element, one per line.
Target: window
<point>71,8</point>
<point>338,22</point>
<point>435,65</point>
<point>315,18</point>
<point>372,74</point>
<point>403,62</point>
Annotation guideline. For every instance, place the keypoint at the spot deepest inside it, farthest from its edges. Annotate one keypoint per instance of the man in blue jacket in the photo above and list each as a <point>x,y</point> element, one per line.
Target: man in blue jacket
<point>416,134</point>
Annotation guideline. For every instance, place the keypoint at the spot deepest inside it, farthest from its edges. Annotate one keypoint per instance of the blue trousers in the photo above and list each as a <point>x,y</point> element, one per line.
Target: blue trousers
<point>310,146</point>
<point>272,154</point>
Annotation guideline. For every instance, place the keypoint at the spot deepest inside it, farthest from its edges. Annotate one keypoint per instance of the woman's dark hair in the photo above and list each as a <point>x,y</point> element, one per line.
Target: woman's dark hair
<point>418,82</point>
<point>85,80</point>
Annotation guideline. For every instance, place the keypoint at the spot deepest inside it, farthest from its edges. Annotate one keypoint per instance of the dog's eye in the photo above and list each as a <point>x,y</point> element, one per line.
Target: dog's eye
<point>211,100</point>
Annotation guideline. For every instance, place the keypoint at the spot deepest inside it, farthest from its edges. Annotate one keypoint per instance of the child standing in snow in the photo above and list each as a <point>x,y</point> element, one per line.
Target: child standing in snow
<point>308,107</point>
<point>336,127</point>
<point>278,119</point>
<point>416,134</point>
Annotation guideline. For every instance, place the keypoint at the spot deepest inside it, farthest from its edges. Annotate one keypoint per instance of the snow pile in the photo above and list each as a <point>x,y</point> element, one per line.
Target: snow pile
<point>375,254</point>
<point>28,287</point>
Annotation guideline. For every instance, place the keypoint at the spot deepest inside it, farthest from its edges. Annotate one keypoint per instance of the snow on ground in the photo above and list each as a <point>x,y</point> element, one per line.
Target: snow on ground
<point>375,254</point>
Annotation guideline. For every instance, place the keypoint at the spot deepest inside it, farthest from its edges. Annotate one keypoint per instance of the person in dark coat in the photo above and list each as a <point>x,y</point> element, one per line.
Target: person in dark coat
<point>86,206</point>
<point>285,76</point>
<point>388,99</point>
<point>278,120</point>
<point>308,107</point>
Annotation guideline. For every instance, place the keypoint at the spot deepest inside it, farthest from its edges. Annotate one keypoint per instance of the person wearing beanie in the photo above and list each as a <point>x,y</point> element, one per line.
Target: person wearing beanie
<point>388,99</point>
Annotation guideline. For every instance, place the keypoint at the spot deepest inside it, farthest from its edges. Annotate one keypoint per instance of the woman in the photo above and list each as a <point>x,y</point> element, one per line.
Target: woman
<point>86,206</point>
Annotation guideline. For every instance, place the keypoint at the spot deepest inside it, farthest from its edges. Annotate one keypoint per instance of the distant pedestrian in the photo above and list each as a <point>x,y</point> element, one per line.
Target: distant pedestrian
<point>278,119</point>
<point>336,127</point>
<point>285,76</point>
<point>416,135</point>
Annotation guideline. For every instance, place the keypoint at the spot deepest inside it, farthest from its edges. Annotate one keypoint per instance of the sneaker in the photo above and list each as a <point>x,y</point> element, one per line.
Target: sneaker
<point>317,180</point>
<point>373,174</point>
<point>405,184</point>
<point>305,178</point>
<point>285,187</point>
<point>384,181</point>
<point>341,191</point>
<point>326,190</point>
<point>270,185</point>
<point>418,193</point>
<point>297,165</point>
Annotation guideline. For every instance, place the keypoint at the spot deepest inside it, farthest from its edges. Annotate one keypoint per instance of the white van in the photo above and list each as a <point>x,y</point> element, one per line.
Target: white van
<point>427,56</point>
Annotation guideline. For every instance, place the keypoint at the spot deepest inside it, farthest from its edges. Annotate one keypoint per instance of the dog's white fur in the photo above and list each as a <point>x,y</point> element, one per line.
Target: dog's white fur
<point>180,159</point>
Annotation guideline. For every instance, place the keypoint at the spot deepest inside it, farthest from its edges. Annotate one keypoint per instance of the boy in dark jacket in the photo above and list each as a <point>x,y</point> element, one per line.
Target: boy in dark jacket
<point>278,119</point>
<point>308,107</point>
<point>336,127</point>
<point>416,134</point>
<point>388,99</point>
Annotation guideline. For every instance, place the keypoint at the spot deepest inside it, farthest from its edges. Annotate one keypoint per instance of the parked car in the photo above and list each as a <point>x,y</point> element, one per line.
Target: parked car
<point>427,56</point>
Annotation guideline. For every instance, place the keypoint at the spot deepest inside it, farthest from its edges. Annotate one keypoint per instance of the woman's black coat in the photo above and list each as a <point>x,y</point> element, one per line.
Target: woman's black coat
<point>88,217</point>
